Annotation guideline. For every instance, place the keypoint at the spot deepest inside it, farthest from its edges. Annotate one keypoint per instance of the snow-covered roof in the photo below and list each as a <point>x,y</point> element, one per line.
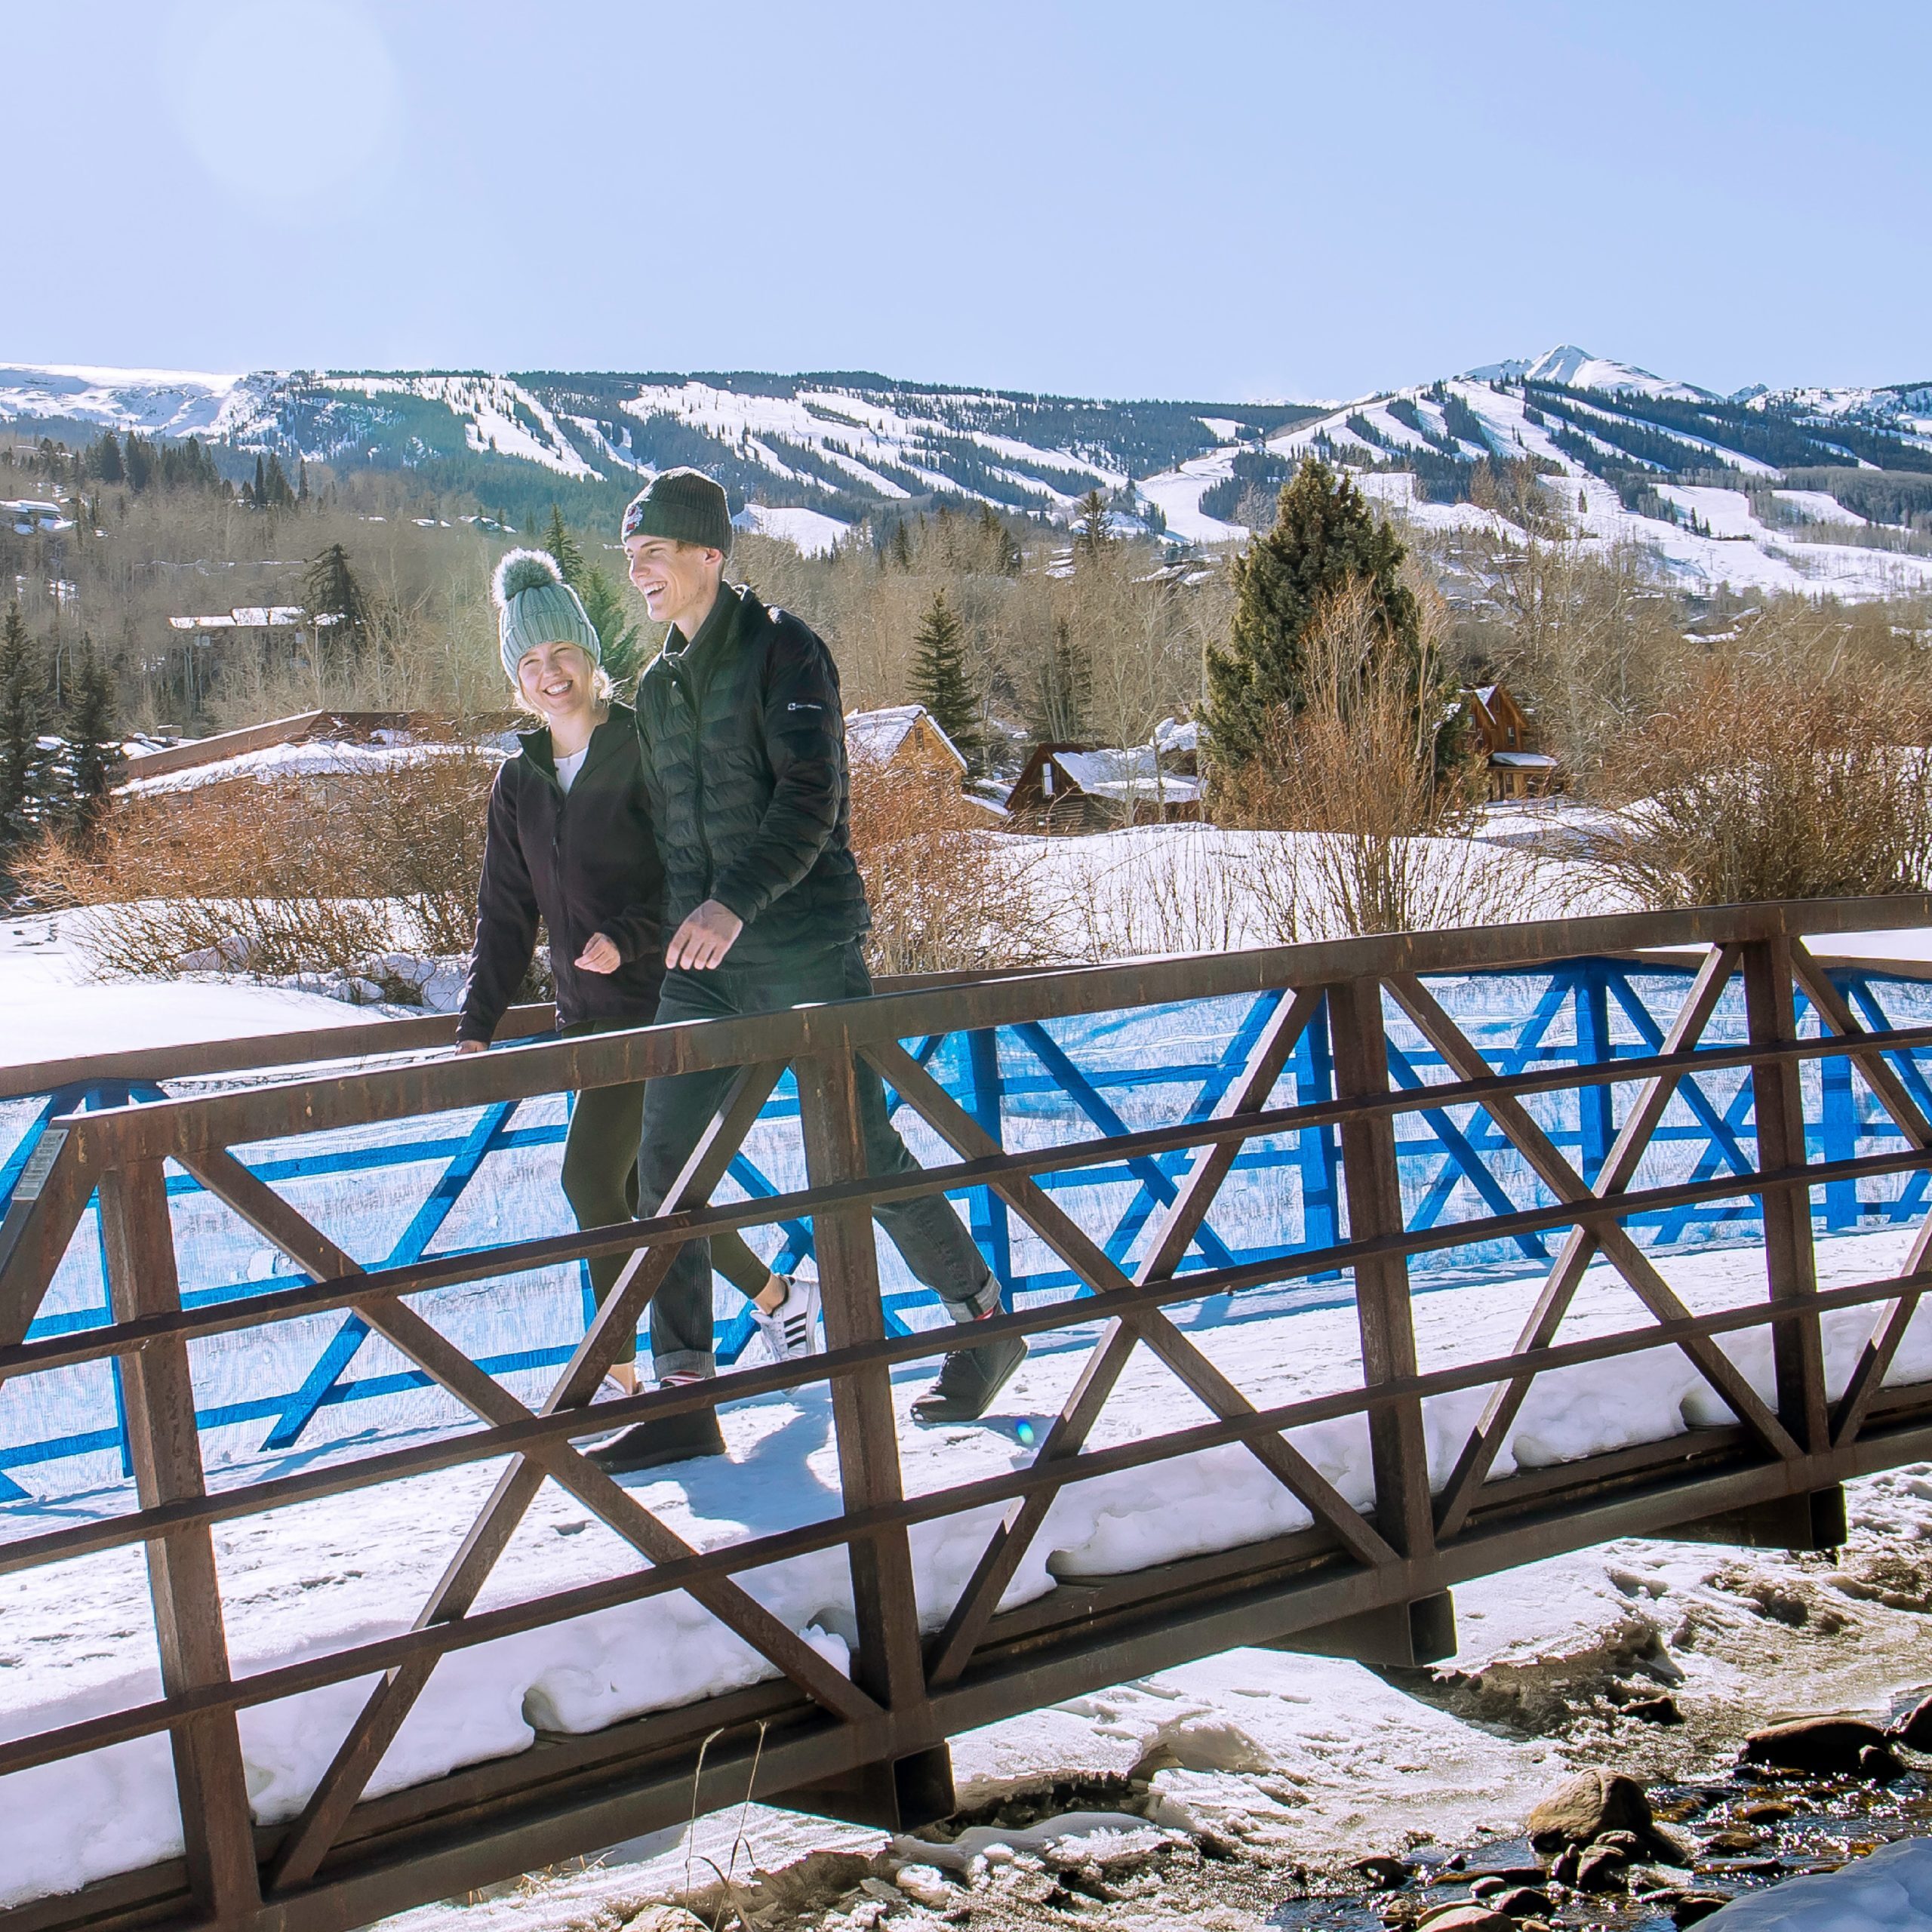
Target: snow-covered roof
<point>318,759</point>
<point>1523,760</point>
<point>1173,734</point>
<point>1133,773</point>
<point>876,736</point>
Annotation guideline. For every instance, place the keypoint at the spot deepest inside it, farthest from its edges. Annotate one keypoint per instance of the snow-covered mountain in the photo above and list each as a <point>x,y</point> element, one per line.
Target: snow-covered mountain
<point>1578,369</point>
<point>1806,488</point>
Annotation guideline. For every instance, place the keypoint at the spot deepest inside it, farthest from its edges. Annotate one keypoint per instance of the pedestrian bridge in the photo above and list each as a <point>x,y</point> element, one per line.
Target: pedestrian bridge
<point>249,1287</point>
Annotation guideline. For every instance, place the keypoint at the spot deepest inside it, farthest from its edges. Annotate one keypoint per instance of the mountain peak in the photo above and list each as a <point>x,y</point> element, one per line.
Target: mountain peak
<point>1576,368</point>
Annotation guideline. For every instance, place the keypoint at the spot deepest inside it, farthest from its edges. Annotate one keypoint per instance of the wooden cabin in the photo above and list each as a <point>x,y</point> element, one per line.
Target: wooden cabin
<point>1517,770</point>
<point>1094,788</point>
<point>903,738</point>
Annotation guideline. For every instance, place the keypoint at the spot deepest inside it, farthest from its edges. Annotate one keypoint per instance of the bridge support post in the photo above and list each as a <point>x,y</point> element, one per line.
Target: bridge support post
<point>138,1240</point>
<point>898,1793</point>
<point>1398,1447</point>
<point>1777,1104</point>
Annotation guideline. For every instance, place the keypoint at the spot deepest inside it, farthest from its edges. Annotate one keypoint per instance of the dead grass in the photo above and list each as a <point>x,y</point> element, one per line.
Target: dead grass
<point>309,875</point>
<point>1773,772</point>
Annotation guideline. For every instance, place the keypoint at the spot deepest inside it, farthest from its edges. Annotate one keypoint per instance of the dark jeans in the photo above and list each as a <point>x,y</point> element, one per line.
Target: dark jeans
<point>679,1107</point>
<point>600,1182</point>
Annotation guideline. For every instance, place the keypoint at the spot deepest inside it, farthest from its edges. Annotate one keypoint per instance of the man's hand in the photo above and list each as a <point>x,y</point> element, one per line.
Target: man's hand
<point>704,939</point>
<point>600,955</point>
<point>473,1046</point>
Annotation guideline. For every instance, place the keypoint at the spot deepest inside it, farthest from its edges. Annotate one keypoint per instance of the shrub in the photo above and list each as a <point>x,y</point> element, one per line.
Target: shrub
<point>947,893</point>
<point>1771,774</point>
<point>315,874</point>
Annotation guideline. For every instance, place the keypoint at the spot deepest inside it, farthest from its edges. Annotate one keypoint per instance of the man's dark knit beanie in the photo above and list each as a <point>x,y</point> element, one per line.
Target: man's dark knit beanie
<point>683,505</point>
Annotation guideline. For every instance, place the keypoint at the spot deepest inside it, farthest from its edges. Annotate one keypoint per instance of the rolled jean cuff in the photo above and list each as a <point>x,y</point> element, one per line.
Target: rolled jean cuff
<point>685,1361</point>
<point>984,1300</point>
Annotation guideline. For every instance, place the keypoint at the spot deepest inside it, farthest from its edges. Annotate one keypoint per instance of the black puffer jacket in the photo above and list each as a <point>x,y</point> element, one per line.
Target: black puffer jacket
<point>744,753</point>
<point>587,862</point>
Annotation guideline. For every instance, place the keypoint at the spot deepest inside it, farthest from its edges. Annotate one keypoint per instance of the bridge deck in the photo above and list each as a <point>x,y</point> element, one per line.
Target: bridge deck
<point>1294,1446</point>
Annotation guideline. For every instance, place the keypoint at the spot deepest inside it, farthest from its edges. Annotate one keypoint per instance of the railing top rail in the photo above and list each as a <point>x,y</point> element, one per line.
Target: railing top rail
<point>275,1109</point>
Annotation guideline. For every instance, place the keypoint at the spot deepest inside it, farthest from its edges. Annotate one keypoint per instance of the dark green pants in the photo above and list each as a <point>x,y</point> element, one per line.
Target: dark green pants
<point>600,1182</point>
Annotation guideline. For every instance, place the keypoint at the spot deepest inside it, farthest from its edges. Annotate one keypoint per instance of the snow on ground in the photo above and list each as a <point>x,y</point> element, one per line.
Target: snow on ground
<point>313,1578</point>
<point>51,1007</point>
<point>1176,494</point>
<point>173,402</point>
<point>1891,1888</point>
<point>1820,506</point>
<point>811,532</point>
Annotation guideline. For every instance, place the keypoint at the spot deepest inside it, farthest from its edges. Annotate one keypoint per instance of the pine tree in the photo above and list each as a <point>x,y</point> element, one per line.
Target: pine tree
<point>139,461</point>
<point>562,545</point>
<point>273,488</point>
<point>24,765</point>
<point>1325,534</point>
<point>302,483</point>
<point>94,755</point>
<point>939,682</point>
<point>107,463</point>
<point>1092,538</point>
<point>329,589</point>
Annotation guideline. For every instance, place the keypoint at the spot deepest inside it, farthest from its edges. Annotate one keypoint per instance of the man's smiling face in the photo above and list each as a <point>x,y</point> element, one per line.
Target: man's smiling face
<point>677,581</point>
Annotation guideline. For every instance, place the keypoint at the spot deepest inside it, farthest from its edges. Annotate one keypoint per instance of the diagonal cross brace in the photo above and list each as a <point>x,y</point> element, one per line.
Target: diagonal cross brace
<point>1104,1367</point>
<point>309,1838</point>
<point>1882,1345</point>
<point>1619,1168</point>
<point>1562,1180</point>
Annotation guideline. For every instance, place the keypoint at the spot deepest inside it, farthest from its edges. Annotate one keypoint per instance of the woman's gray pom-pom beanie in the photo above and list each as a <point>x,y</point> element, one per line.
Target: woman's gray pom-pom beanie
<point>535,606</point>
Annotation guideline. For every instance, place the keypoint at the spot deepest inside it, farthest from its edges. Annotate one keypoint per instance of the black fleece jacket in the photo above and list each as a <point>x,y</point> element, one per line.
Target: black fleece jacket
<point>586,861</point>
<point>744,756</point>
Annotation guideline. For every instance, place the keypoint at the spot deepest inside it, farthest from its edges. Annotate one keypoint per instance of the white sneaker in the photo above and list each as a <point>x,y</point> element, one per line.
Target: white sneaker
<point>611,1390</point>
<point>791,1329</point>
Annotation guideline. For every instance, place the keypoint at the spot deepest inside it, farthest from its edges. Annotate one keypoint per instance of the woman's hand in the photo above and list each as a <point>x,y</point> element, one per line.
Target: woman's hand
<point>600,955</point>
<point>473,1046</point>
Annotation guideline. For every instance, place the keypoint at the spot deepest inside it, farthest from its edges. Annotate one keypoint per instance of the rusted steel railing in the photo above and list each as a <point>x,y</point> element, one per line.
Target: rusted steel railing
<point>1372,1583</point>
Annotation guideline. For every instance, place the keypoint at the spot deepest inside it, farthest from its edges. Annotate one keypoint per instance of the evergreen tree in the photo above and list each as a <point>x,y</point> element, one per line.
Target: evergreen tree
<point>1002,552</point>
<point>24,765</point>
<point>1325,535</point>
<point>939,682</point>
<point>329,588</point>
<point>1092,538</point>
<point>273,489</point>
<point>94,752</point>
<point>106,459</point>
<point>302,483</point>
<point>260,497</point>
<point>562,545</point>
<point>139,461</point>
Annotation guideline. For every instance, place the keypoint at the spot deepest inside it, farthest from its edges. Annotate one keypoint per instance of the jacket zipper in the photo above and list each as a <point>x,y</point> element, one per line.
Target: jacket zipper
<point>688,688</point>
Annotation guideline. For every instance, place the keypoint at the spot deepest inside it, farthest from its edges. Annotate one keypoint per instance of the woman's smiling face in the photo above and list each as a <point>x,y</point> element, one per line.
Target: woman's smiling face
<point>557,680</point>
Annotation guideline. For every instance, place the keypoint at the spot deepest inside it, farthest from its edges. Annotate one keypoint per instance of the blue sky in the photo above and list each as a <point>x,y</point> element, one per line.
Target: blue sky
<point>1218,200</point>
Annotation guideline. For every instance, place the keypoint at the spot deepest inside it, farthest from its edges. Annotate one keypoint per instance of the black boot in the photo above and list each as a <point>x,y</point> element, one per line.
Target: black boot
<point>679,1438</point>
<point>969,1379</point>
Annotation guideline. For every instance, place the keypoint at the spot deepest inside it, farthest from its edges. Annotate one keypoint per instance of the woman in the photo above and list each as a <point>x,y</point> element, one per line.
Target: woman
<point>571,841</point>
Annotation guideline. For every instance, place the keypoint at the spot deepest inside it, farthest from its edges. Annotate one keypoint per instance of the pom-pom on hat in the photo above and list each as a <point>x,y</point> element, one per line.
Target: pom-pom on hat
<point>535,606</point>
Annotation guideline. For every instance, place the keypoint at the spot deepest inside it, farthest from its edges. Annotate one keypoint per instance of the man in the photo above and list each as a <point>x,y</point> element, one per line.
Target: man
<point>743,738</point>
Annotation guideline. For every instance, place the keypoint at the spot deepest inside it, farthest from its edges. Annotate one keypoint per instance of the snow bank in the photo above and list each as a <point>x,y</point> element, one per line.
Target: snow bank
<point>1891,1887</point>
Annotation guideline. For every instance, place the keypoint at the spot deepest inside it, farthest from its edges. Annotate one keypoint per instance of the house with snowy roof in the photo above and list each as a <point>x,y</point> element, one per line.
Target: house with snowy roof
<point>311,744</point>
<point>1096,788</point>
<point>903,738</point>
<point>1503,729</point>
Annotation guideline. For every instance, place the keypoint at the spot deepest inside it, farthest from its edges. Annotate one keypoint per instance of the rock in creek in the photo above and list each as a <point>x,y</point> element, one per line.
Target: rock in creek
<point>1465,1919</point>
<point>1582,1808</point>
<point>1913,1730</point>
<point>1828,1745</point>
